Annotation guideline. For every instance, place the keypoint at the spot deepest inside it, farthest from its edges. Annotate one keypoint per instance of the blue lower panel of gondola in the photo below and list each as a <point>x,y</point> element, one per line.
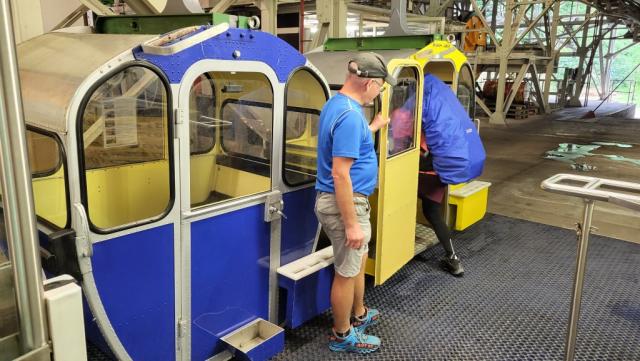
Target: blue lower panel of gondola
<point>229,276</point>
<point>92,331</point>
<point>308,296</point>
<point>135,279</point>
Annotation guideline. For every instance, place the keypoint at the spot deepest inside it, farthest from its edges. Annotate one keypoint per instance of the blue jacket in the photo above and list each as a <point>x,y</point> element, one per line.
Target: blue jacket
<point>452,138</point>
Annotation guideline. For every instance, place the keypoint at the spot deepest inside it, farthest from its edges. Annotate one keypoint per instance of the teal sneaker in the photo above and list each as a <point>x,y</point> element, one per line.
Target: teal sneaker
<point>371,318</point>
<point>355,341</point>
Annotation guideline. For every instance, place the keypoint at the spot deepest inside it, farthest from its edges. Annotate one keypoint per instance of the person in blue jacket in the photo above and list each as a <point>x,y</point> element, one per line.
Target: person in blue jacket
<point>451,153</point>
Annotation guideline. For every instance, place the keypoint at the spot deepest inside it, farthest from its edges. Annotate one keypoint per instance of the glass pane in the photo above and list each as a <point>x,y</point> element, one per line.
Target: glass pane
<point>202,120</point>
<point>465,90</point>
<point>300,146</point>
<point>442,69</point>
<point>44,154</point>
<point>126,149</point>
<point>237,112</point>
<point>124,122</point>
<point>305,98</point>
<point>248,134</point>
<point>370,110</point>
<point>48,178</point>
<point>403,113</point>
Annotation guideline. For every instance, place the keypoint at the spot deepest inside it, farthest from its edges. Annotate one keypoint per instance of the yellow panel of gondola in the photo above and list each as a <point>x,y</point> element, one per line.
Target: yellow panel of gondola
<point>398,180</point>
<point>440,50</point>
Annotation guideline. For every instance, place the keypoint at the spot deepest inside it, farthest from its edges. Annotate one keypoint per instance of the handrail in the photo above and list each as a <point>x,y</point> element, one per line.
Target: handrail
<point>17,194</point>
<point>590,189</point>
<point>625,202</point>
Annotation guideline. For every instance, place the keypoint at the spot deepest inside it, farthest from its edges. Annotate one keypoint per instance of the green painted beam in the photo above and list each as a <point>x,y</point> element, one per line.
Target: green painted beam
<point>160,24</point>
<point>380,42</point>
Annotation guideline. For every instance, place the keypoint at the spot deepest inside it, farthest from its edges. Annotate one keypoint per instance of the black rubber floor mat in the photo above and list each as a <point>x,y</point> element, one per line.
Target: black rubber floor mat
<point>512,303</point>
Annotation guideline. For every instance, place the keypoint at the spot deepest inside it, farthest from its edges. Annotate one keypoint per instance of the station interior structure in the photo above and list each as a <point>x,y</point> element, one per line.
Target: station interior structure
<point>158,169</point>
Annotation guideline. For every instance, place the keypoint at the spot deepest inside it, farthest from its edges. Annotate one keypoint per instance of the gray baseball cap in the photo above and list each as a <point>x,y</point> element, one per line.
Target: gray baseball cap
<point>370,65</point>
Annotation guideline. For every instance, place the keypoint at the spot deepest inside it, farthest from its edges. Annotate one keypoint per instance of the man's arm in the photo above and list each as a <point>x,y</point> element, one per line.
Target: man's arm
<point>344,198</point>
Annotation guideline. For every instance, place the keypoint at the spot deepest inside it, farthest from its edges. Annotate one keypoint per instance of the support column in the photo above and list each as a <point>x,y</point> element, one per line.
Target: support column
<point>339,19</point>
<point>17,193</point>
<point>332,21</point>
<point>582,55</point>
<point>553,53</point>
<point>524,68</point>
<point>494,17</point>
<point>543,105</point>
<point>27,19</point>
<point>433,5</point>
<point>269,16</point>
<point>503,50</point>
<point>605,71</point>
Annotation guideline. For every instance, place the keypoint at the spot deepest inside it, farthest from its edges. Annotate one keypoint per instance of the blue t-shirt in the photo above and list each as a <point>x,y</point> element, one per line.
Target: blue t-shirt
<point>344,132</point>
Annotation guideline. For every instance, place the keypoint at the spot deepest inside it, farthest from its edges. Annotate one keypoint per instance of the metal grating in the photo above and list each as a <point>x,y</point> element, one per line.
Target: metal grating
<point>512,303</point>
<point>425,238</point>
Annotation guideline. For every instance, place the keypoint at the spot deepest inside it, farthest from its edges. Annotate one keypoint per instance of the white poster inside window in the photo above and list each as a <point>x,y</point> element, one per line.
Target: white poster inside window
<point>120,122</point>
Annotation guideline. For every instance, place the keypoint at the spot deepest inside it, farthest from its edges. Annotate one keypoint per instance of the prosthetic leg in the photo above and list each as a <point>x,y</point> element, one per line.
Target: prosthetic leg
<point>433,213</point>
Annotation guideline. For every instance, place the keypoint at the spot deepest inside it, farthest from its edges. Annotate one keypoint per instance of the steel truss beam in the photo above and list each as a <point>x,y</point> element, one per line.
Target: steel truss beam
<point>98,7</point>
<point>547,6</point>
<point>72,17</point>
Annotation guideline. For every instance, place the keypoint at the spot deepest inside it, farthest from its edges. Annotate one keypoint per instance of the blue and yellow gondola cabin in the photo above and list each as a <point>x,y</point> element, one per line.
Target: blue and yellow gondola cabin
<point>163,168</point>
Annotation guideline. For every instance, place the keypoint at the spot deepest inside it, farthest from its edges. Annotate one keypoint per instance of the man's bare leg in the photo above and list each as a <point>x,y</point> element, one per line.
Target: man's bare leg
<point>342,292</point>
<point>358,294</point>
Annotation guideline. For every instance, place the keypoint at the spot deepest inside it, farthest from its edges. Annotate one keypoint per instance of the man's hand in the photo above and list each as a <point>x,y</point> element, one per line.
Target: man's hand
<point>378,122</point>
<point>355,237</point>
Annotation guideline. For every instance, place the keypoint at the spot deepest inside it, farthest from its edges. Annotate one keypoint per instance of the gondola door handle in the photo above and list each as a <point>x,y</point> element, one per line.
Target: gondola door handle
<point>83,243</point>
<point>273,207</point>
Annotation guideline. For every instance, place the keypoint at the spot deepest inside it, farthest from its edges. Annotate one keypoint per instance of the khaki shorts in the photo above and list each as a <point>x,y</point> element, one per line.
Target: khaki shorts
<point>347,261</point>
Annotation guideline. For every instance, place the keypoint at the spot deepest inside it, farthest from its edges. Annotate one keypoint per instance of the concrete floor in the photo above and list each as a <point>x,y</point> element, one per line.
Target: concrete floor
<point>516,167</point>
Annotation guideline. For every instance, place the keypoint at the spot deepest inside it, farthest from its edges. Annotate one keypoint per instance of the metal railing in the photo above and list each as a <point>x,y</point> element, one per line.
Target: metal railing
<point>590,189</point>
<point>17,200</point>
<point>630,91</point>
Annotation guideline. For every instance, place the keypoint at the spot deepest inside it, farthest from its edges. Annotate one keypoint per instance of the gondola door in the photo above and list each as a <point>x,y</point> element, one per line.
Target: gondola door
<point>399,147</point>
<point>127,223</point>
<point>231,208</point>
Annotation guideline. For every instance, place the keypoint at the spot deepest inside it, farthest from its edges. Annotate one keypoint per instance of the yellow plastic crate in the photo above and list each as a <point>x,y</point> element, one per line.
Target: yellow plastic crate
<point>470,200</point>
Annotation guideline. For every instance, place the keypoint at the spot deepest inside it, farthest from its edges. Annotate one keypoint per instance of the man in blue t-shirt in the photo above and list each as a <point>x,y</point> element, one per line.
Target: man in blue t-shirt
<point>347,175</point>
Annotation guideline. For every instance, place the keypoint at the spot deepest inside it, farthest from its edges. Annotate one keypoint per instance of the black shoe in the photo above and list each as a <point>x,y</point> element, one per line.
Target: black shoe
<point>453,266</point>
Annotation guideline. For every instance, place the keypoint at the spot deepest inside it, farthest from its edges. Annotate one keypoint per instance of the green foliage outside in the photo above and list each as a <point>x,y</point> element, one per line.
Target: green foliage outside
<point>623,65</point>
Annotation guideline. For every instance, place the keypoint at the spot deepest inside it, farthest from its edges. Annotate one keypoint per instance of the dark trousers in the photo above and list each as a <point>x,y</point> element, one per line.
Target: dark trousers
<point>433,213</point>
